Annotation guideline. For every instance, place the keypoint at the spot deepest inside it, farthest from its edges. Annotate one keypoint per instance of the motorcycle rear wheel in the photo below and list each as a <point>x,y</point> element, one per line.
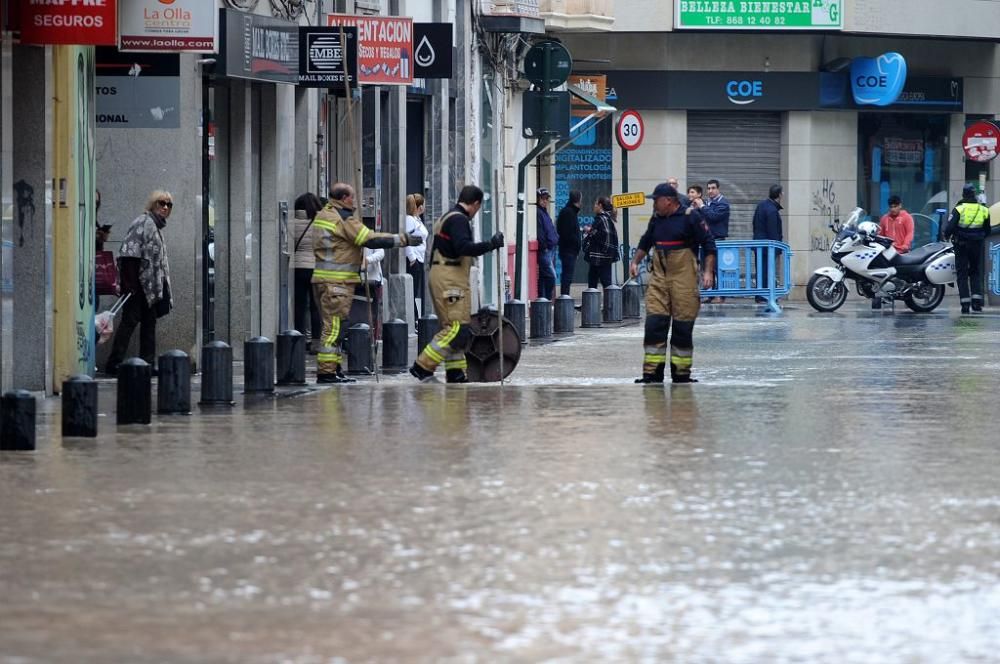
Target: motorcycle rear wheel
<point>925,299</point>
<point>825,294</point>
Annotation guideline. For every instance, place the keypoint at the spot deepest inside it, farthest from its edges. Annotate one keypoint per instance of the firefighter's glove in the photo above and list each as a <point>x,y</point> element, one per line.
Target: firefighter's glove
<point>496,241</point>
<point>407,240</point>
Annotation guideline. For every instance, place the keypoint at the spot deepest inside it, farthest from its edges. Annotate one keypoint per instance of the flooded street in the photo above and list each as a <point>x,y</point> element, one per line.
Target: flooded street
<point>829,493</point>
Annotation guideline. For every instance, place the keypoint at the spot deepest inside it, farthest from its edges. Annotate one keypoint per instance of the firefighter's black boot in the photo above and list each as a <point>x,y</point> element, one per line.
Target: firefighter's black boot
<point>341,378</point>
<point>655,377</point>
<point>678,377</point>
<point>455,376</point>
<point>326,378</point>
<point>420,373</point>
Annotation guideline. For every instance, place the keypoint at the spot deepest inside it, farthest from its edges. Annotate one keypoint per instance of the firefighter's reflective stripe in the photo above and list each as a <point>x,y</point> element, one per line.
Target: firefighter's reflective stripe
<point>972,215</point>
<point>462,364</point>
<point>362,235</point>
<point>681,361</point>
<point>325,225</point>
<point>332,275</point>
<point>655,358</point>
<point>338,267</point>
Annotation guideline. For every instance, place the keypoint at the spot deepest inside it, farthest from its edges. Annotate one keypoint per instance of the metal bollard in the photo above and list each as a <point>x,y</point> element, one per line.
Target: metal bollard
<point>258,365</point>
<point>516,312</point>
<point>565,315</point>
<point>541,318</point>
<point>79,407</point>
<point>359,350</point>
<point>613,304</point>
<point>17,421</point>
<point>216,374</point>
<point>291,358</point>
<point>135,392</point>
<point>591,313</point>
<point>173,384</point>
<point>631,300</point>
<point>427,327</point>
<point>395,346</point>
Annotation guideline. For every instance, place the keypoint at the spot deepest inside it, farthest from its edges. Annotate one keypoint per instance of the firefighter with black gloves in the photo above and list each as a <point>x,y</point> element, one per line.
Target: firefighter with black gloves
<point>339,239</point>
<point>968,227</point>
<point>452,256</point>
<point>672,240</point>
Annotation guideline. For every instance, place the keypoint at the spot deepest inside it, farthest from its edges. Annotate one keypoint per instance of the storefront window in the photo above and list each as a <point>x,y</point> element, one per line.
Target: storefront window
<point>904,155</point>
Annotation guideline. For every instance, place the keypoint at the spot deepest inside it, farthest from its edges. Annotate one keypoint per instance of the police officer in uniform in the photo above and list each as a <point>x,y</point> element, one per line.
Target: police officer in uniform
<point>452,255</point>
<point>672,240</point>
<point>339,239</point>
<point>968,227</point>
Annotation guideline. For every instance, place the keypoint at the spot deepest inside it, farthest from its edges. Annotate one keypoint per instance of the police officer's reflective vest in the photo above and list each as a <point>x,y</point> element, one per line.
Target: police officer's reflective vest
<point>972,216</point>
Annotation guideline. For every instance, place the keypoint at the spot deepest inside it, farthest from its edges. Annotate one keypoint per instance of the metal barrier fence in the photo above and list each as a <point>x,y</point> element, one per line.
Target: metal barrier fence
<point>737,276</point>
<point>995,271</point>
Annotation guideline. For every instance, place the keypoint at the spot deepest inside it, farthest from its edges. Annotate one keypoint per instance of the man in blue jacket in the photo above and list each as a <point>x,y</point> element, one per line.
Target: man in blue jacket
<point>548,244</point>
<point>767,226</point>
<point>715,211</point>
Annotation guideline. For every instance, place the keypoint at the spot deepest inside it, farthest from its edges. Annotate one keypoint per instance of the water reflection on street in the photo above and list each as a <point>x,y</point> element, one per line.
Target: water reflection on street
<point>828,493</point>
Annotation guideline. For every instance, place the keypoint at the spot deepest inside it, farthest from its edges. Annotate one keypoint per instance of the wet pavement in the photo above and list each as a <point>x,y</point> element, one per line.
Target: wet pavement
<point>828,493</point>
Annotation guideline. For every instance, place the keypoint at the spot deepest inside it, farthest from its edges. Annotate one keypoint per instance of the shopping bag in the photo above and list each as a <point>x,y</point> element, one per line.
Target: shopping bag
<point>106,273</point>
<point>104,322</point>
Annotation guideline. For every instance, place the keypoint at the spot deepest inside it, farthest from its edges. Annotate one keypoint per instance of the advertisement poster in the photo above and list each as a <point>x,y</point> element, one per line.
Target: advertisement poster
<point>586,165</point>
<point>259,48</point>
<point>168,25</point>
<point>138,90</point>
<point>385,47</point>
<point>789,15</point>
<point>84,24</point>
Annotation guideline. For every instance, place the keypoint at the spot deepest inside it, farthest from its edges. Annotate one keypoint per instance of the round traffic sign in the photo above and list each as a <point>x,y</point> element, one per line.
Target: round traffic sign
<point>548,64</point>
<point>630,130</point>
<point>980,141</point>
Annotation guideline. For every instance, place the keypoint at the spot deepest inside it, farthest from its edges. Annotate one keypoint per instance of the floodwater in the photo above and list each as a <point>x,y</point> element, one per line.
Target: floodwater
<point>828,493</point>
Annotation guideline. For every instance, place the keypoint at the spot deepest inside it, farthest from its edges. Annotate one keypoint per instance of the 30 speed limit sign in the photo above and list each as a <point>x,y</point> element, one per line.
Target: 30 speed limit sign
<point>630,130</point>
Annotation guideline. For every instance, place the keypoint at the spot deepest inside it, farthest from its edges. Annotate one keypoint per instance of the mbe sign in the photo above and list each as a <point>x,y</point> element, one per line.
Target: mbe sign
<point>322,53</point>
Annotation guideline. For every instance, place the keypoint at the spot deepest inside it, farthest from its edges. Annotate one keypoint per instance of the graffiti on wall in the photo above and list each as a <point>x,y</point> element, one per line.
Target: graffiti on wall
<point>825,214</point>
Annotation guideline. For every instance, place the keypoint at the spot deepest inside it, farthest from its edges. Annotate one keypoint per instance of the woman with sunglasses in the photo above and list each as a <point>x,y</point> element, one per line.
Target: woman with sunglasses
<point>144,274</point>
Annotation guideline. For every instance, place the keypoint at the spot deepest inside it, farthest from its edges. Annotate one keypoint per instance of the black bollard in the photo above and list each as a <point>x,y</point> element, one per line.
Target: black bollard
<point>427,327</point>
<point>517,313</point>
<point>291,358</point>
<point>258,365</point>
<point>591,313</point>
<point>79,407</point>
<point>613,304</point>
<point>631,300</point>
<point>135,393</point>
<point>17,421</point>
<point>395,344</point>
<point>359,350</point>
<point>173,384</point>
<point>541,318</point>
<point>565,315</point>
<point>216,374</point>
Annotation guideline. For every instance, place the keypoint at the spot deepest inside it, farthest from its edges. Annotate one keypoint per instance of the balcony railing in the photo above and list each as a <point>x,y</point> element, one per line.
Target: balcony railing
<point>527,8</point>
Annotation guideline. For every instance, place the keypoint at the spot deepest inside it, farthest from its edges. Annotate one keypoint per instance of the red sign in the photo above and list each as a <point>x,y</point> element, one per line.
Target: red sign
<point>630,130</point>
<point>77,22</point>
<point>385,47</point>
<point>980,141</point>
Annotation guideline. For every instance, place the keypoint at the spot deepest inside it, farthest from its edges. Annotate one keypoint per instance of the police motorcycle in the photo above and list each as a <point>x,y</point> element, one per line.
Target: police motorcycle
<point>917,278</point>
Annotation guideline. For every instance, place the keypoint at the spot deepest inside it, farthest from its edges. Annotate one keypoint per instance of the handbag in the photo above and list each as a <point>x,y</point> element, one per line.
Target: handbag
<point>163,306</point>
<point>106,273</point>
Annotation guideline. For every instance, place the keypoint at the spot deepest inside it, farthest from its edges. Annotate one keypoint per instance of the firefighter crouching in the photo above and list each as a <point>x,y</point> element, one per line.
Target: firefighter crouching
<point>452,255</point>
<point>672,240</point>
<point>339,239</point>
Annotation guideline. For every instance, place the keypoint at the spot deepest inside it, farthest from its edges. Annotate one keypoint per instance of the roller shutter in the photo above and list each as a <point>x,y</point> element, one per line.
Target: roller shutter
<point>743,152</point>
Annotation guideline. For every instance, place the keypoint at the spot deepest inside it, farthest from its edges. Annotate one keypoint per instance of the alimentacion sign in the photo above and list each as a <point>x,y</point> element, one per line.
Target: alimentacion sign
<point>760,14</point>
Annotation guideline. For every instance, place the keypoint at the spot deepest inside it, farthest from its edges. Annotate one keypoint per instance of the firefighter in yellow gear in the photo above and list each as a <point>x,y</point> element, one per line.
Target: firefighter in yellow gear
<point>672,241</point>
<point>968,227</point>
<point>339,239</point>
<point>452,256</point>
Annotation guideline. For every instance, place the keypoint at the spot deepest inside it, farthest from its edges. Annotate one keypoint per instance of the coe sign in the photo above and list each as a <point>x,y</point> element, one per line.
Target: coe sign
<point>630,130</point>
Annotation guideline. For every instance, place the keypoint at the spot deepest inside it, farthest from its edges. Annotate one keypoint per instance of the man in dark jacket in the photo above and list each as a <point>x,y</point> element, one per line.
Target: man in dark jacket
<point>715,211</point>
<point>548,243</point>
<point>968,227</point>
<point>568,228</point>
<point>767,226</point>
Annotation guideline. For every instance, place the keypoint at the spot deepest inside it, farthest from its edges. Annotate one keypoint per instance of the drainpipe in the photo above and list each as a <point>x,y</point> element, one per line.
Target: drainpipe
<point>522,166</point>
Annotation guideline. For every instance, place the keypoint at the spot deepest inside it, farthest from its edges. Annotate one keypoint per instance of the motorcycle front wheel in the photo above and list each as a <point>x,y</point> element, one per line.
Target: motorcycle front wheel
<point>825,294</point>
<point>925,298</point>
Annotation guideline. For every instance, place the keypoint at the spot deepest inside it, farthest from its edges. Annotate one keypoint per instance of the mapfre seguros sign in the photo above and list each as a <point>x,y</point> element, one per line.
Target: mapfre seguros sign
<point>79,22</point>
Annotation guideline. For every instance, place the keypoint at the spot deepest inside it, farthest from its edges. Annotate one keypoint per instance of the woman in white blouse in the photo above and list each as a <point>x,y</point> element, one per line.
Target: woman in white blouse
<point>415,255</point>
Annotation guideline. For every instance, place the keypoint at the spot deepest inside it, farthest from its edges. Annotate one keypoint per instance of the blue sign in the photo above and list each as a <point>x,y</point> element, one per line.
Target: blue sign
<point>878,81</point>
<point>744,92</point>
